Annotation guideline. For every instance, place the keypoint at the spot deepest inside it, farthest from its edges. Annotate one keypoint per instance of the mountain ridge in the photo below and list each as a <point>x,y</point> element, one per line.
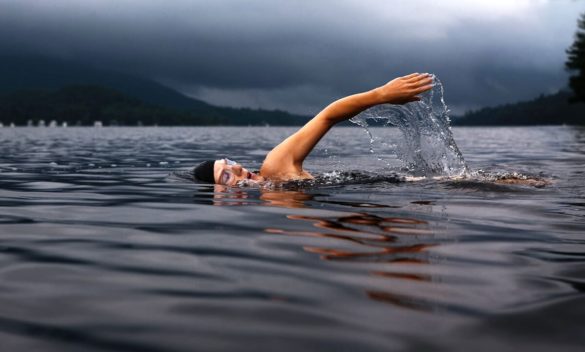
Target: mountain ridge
<point>27,73</point>
<point>552,109</point>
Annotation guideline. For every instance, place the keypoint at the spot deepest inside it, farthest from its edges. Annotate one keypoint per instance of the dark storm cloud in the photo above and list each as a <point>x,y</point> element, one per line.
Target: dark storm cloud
<point>299,55</point>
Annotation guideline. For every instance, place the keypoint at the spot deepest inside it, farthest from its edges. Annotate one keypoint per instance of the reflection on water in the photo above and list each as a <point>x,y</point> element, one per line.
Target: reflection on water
<point>286,199</point>
<point>378,240</point>
<point>372,238</point>
<point>375,239</point>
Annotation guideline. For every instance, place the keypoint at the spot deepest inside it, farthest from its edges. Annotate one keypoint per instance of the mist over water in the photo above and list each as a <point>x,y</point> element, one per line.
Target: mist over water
<point>426,145</point>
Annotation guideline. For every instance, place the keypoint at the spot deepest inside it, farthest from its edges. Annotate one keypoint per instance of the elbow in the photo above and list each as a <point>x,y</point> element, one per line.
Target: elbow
<point>329,116</point>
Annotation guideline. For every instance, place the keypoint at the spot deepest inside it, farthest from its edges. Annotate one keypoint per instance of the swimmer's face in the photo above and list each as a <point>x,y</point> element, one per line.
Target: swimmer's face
<point>229,173</point>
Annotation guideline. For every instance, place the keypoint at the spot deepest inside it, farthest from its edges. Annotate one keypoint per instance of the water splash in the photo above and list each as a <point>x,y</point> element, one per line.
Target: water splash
<point>427,147</point>
<point>328,179</point>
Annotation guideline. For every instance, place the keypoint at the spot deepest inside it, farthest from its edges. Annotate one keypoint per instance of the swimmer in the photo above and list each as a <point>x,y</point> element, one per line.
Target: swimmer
<point>285,161</point>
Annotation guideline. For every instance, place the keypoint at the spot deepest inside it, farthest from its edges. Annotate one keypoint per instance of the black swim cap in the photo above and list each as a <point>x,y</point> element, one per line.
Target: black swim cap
<point>204,171</point>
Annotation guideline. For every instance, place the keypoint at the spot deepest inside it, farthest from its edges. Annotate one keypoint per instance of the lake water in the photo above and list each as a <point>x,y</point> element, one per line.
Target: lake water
<point>102,247</point>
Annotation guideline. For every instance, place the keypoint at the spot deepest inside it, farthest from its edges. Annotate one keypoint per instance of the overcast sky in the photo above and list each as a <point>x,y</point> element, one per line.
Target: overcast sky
<point>299,55</point>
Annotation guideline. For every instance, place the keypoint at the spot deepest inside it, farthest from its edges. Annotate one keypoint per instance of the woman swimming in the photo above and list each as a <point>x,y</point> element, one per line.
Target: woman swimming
<point>285,161</point>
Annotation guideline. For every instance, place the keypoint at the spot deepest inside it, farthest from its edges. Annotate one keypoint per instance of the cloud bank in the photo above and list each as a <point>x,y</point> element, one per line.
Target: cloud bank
<point>299,55</point>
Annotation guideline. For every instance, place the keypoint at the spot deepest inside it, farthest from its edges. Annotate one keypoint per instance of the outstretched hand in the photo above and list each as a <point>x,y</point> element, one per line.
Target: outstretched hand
<point>405,89</point>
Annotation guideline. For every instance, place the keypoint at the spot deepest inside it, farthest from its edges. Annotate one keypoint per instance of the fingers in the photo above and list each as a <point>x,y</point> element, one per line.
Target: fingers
<point>428,78</point>
<point>422,83</point>
<point>411,75</point>
<point>423,89</point>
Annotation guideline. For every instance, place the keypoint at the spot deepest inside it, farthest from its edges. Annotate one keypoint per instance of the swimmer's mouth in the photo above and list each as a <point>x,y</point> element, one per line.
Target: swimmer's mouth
<point>249,175</point>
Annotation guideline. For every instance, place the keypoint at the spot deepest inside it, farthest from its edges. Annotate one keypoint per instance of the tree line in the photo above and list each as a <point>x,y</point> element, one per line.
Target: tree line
<point>82,105</point>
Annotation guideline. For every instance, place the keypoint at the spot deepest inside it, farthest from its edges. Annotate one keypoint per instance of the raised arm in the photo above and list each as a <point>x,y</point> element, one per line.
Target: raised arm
<point>285,161</point>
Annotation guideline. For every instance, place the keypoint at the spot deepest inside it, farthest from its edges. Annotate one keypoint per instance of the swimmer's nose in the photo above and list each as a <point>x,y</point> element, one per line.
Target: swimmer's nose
<point>237,169</point>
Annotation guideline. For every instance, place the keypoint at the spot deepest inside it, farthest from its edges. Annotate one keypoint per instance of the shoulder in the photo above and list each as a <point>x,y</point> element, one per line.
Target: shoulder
<point>276,164</point>
<point>283,171</point>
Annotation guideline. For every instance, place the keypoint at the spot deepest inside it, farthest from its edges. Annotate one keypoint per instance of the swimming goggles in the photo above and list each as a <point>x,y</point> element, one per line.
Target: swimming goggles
<point>226,175</point>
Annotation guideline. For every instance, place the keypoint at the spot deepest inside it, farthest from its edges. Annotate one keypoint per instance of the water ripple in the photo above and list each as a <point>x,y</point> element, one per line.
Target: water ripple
<point>104,247</point>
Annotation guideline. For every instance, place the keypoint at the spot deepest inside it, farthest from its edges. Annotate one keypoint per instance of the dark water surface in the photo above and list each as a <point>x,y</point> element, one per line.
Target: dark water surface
<point>102,248</point>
